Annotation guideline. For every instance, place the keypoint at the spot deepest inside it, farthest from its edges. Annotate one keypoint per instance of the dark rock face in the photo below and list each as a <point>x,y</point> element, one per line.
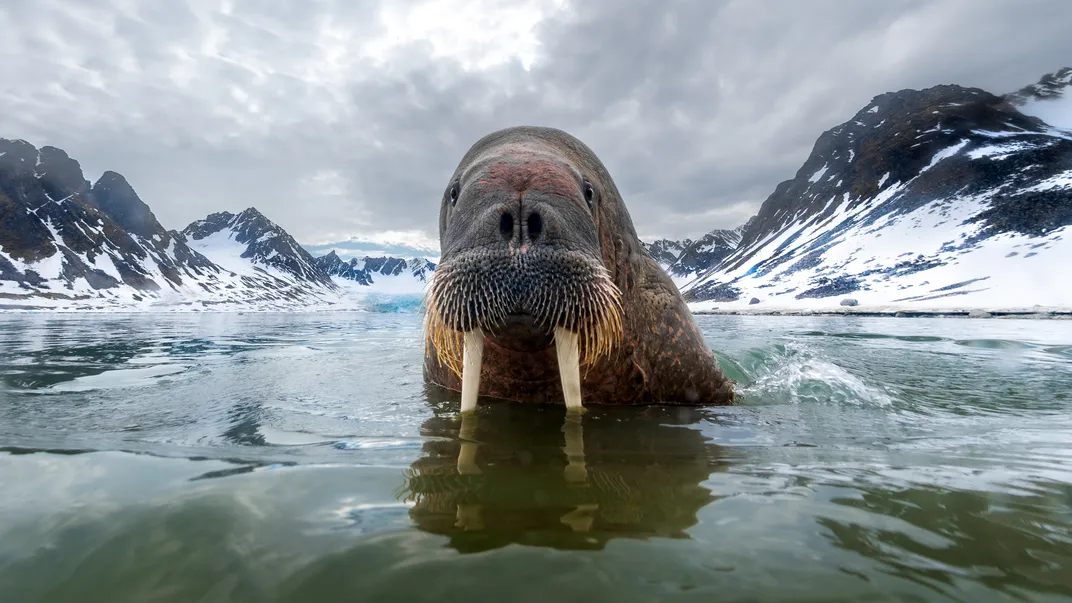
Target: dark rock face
<point>104,235</point>
<point>60,176</point>
<point>364,271</point>
<point>831,288</point>
<point>113,195</point>
<point>722,292</point>
<point>266,243</point>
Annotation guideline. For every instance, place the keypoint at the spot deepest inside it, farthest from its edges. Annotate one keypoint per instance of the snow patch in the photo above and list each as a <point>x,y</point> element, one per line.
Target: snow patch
<point>944,154</point>
<point>223,250</point>
<point>819,174</point>
<point>1061,180</point>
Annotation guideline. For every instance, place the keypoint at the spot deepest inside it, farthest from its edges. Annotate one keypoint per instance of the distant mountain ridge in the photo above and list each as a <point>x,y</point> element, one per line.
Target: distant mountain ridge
<point>369,271</point>
<point>687,258</point>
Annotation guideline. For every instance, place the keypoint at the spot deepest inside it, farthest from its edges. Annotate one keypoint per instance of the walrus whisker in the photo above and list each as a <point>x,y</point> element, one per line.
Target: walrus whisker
<point>568,297</point>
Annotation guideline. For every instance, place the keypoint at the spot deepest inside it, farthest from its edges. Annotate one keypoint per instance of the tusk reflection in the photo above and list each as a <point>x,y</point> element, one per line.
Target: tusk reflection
<point>520,474</point>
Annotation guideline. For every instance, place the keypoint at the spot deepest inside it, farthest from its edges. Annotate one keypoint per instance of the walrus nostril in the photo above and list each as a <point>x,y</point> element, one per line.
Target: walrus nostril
<point>506,226</point>
<point>535,224</point>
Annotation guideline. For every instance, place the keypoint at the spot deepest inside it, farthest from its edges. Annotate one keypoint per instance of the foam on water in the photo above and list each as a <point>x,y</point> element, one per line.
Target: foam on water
<point>130,377</point>
<point>795,374</point>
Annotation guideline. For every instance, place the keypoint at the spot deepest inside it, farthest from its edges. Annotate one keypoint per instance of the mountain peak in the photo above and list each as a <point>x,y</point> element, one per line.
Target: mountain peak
<point>1050,86</point>
<point>60,175</point>
<point>684,260</point>
<point>894,139</point>
<point>252,213</point>
<point>1049,99</point>
<point>265,244</point>
<point>113,195</point>
<point>69,239</point>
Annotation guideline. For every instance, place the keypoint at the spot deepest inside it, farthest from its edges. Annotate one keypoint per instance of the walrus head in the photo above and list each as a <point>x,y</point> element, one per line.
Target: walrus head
<point>522,257</point>
<point>542,273</point>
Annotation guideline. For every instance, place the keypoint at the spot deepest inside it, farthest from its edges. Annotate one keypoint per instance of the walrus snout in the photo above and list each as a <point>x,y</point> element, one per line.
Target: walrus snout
<point>519,202</point>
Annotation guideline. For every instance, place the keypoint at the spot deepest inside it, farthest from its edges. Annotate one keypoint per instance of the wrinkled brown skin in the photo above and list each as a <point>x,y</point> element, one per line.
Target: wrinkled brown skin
<point>662,357</point>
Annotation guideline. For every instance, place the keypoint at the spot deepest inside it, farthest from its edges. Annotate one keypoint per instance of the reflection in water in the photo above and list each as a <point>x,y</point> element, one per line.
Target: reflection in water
<point>524,475</point>
<point>1008,542</point>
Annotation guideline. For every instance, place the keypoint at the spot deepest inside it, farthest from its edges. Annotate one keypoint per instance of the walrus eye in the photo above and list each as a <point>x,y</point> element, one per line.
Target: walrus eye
<point>454,190</point>
<point>589,193</point>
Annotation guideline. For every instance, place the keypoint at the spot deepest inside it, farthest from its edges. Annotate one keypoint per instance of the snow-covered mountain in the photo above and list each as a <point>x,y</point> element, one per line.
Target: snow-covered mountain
<point>67,244</point>
<point>941,198</point>
<point>64,240</point>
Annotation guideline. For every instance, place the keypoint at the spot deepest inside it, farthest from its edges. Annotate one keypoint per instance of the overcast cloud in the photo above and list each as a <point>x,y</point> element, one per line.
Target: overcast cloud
<point>339,118</point>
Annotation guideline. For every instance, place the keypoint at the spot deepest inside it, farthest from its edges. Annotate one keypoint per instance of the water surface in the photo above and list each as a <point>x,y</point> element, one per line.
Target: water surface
<point>300,457</point>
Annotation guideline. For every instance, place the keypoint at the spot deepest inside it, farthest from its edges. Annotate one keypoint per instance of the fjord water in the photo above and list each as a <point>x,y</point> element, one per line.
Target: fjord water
<point>300,457</point>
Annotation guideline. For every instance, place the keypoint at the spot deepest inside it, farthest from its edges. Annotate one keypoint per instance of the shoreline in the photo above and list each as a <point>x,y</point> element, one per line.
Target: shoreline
<point>1044,314</point>
<point>1022,314</point>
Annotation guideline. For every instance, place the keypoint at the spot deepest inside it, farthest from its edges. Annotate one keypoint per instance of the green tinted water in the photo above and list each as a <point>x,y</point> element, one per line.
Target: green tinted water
<point>301,458</point>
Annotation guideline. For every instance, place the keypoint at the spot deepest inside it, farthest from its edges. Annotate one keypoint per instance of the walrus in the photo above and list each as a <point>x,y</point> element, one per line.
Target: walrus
<point>545,294</point>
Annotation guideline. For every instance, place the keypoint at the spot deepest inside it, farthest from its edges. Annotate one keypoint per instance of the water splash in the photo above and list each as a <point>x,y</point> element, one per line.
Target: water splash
<point>793,374</point>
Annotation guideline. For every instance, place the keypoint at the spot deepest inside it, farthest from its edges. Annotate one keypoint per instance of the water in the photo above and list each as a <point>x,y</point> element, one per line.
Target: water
<point>291,457</point>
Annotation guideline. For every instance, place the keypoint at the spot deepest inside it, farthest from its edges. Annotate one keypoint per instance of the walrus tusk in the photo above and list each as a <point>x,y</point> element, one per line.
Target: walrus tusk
<point>471,360</point>
<point>569,366</point>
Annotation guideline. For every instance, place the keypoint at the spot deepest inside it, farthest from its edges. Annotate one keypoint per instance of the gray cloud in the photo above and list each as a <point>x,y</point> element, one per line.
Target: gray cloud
<point>698,108</point>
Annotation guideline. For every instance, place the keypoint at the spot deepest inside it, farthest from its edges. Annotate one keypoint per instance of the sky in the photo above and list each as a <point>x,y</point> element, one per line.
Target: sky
<point>341,120</point>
